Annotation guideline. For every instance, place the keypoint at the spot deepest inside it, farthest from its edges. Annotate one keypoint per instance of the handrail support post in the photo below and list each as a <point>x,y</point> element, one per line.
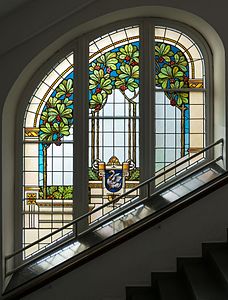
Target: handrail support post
<point>148,190</point>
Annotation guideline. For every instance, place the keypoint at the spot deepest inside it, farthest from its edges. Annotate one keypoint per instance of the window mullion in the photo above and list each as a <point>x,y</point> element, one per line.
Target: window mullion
<point>80,130</point>
<point>147,100</point>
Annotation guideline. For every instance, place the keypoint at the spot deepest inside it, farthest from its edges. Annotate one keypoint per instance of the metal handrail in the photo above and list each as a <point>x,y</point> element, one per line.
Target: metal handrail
<point>148,181</point>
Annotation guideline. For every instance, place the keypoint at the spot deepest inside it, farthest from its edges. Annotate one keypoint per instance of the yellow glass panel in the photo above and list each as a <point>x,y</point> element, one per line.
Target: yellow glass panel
<point>31,164</point>
<point>196,140</point>
<point>92,49</point>
<point>32,107</point>
<point>42,233</point>
<point>194,51</point>
<point>185,41</point>
<point>31,149</point>
<point>160,32</point>
<point>131,32</point>
<point>171,34</point>
<point>31,250</point>
<point>196,126</point>
<point>103,42</point>
<point>198,69</point>
<point>196,98</point>
<point>71,58</point>
<point>197,111</point>
<point>34,100</point>
<point>46,217</point>
<point>118,36</point>
<point>31,178</point>
<point>31,235</point>
<point>29,119</point>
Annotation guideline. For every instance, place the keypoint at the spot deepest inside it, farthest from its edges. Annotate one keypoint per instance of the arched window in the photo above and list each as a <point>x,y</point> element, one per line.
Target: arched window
<point>148,100</point>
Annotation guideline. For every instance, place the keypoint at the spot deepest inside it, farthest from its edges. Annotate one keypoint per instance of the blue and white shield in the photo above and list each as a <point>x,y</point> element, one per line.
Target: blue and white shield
<point>113,180</point>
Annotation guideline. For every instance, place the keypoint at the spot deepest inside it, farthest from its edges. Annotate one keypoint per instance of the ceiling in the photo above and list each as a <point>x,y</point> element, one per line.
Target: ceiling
<point>7,6</point>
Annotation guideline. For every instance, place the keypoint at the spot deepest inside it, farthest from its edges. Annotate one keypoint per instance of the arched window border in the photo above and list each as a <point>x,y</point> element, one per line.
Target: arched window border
<point>9,193</point>
<point>147,127</point>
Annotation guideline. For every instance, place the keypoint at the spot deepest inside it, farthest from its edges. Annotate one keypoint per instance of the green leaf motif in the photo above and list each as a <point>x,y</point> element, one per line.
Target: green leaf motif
<point>170,69</point>
<point>92,175</point>
<point>64,88</point>
<point>98,100</point>
<point>134,175</point>
<point>163,51</point>
<point>130,51</point>
<point>102,83</point>
<point>58,192</point>
<point>108,60</point>
<point>46,128</point>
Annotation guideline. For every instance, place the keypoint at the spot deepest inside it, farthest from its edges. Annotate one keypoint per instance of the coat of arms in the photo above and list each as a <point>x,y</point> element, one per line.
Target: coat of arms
<point>113,173</point>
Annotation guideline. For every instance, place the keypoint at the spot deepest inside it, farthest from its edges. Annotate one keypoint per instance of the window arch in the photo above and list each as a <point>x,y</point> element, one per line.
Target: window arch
<point>116,100</point>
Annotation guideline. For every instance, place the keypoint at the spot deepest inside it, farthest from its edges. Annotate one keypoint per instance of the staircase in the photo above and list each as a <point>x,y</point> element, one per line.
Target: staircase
<point>201,278</point>
<point>116,227</point>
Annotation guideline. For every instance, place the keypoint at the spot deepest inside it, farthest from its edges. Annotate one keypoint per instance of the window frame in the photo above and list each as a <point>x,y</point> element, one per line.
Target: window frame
<point>147,108</point>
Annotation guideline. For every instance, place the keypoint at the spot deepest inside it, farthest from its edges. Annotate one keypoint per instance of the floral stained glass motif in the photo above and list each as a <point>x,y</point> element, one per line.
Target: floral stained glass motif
<point>172,72</point>
<point>55,128</point>
<point>113,95</point>
<point>116,69</point>
<point>180,88</point>
<point>114,116</point>
<point>48,155</point>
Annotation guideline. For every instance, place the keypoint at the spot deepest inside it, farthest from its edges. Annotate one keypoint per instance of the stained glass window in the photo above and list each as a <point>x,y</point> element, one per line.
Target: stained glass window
<point>48,155</point>
<point>180,97</point>
<point>115,95</point>
<point>113,117</point>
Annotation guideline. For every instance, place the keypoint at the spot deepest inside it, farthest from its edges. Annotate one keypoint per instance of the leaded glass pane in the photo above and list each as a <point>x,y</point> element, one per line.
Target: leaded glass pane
<point>113,117</point>
<point>179,115</point>
<point>179,61</point>
<point>48,156</point>
<point>114,126</point>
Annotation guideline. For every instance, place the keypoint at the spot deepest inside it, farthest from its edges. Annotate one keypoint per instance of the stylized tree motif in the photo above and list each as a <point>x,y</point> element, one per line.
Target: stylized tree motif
<point>56,120</point>
<point>114,70</point>
<point>172,73</point>
<point>119,69</point>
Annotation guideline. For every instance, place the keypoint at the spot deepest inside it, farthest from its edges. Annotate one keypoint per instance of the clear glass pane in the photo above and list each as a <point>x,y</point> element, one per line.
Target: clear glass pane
<point>180,130</point>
